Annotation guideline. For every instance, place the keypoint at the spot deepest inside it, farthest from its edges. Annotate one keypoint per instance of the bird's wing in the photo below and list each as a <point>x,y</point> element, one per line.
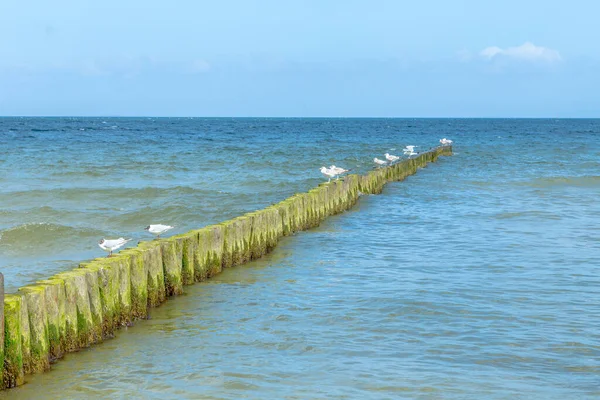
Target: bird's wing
<point>115,242</point>
<point>159,228</point>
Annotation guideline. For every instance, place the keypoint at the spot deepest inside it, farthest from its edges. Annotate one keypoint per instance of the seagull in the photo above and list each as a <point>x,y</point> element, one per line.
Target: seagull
<point>328,173</point>
<point>391,158</point>
<point>112,244</point>
<point>339,170</point>
<point>378,161</point>
<point>445,141</point>
<point>157,229</point>
<point>409,149</point>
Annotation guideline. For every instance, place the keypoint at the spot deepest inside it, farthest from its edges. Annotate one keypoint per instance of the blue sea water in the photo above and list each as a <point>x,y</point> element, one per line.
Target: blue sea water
<point>478,277</point>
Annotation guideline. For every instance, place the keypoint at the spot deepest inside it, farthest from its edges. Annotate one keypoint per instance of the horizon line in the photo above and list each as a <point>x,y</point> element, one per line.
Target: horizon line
<point>283,117</point>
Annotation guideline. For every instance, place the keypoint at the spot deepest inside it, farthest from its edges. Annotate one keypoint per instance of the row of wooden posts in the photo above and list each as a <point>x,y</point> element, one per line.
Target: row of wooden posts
<point>75,309</point>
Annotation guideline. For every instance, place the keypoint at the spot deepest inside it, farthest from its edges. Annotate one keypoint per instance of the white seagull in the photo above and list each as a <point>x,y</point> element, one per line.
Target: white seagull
<point>157,229</point>
<point>409,149</point>
<point>112,244</point>
<point>339,170</point>
<point>391,158</point>
<point>328,173</point>
<point>445,141</point>
<point>378,161</point>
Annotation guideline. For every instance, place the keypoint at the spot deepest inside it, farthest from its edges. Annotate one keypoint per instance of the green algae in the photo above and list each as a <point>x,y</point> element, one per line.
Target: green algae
<point>189,244</point>
<point>152,258</point>
<point>1,331</point>
<point>25,337</point>
<point>92,278</point>
<point>258,235</point>
<point>112,277</point>
<point>77,309</point>
<point>274,227</point>
<point>172,257</point>
<point>208,257</point>
<point>14,374</point>
<point>138,284</point>
<point>68,319</point>
<point>267,228</point>
<point>236,244</point>
<point>54,297</point>
<point>34,297</point>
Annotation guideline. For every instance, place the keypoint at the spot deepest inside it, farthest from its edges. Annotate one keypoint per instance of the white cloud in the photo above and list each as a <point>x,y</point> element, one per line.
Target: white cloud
<point>490,52</point>
<point>525,52</point>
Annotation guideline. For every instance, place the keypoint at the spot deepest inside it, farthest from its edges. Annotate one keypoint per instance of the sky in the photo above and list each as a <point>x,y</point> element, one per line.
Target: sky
<point>295,58</point>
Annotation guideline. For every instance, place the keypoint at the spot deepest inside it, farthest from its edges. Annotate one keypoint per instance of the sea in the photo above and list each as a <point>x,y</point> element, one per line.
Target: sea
<point>478,277</point>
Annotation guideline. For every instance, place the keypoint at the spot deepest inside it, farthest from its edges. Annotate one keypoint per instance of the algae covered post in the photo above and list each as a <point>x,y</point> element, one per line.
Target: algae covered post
<point>1,327</point>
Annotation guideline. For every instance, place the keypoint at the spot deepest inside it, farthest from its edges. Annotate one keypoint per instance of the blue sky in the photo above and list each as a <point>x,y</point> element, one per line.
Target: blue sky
<point>300,58</point>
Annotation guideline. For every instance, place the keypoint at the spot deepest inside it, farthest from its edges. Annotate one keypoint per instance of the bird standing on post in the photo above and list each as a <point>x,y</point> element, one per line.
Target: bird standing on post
<point>328,173</point>
<point>378,161</point>
<point>410,151</point>
<point>338,170</point>
<point>157,229</point>
<point>391,158</point>
<point>112,244</point>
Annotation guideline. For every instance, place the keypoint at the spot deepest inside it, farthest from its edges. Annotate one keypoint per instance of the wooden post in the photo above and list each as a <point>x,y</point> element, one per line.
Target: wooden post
<point>1,331</point>
<point>1,313</point>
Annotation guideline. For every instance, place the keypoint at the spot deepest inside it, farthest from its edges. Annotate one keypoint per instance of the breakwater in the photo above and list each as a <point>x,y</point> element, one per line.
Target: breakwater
<point>75,309</point>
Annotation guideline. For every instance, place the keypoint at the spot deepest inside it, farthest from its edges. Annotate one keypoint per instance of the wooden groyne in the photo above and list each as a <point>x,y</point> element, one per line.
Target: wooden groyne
<point>75,309</point>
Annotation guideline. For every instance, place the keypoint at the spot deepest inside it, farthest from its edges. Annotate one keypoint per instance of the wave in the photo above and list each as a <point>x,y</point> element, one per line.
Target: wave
<point>79,193</point>
<point>43,130</point>
<point>574,181</point>
<point>528,214</point>
<point>42,237</point>
<point>76,128</point>
<point>86,173</point>
<point>43,211</point>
